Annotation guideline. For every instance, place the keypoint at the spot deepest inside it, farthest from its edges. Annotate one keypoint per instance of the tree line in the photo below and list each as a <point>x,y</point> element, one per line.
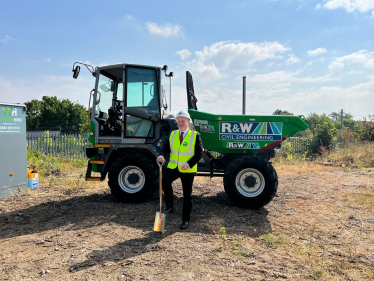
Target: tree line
<point>52,113</point>
<point>325,131</point>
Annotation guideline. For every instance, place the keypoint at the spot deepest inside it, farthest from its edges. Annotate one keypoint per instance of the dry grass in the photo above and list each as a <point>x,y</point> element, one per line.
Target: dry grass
<point>351,156</point>
<point>320,227</point>
<point>302,167</point>
<point>363,198</point>
<point>354,155</point>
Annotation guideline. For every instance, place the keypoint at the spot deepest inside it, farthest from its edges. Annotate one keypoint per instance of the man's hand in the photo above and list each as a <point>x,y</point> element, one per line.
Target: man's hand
<point>161,159</point>
<point>185,166</point>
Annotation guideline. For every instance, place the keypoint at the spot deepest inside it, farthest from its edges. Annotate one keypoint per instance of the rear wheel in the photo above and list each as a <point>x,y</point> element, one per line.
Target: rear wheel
<point>250,182</point>
<point>133,178</point>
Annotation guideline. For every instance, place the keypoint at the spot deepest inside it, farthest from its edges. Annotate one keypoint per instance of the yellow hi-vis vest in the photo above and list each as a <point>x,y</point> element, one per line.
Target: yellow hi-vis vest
<point>181,153</point>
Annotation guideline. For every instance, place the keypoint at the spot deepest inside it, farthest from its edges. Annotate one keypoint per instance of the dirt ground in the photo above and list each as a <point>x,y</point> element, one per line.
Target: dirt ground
<point>319,227</point>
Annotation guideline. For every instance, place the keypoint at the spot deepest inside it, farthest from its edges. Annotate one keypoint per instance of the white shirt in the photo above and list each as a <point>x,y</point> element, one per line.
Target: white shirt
<point>184,132</point>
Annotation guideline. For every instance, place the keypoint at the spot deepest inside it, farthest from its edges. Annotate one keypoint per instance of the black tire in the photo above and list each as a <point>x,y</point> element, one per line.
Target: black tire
<point>133,178</point>
<point>250,182</point>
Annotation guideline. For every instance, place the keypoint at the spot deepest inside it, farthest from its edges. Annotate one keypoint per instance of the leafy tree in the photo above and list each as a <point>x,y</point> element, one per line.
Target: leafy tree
<point>336,116</point>
<point>52,113</point>
<point>313,119</point>
<point>282,112</point>
<point>33,112</point>
<point>348,121</point>
<point>324,133</point>
<point>366,129</point>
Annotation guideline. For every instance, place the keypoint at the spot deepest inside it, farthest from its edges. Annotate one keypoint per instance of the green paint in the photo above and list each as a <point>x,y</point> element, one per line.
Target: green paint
<point>258,129</point>
<point>264,128</point>
<point>279,126</point>
<point>287,125</point>
<point>12,120</point>
<point>7,110</point>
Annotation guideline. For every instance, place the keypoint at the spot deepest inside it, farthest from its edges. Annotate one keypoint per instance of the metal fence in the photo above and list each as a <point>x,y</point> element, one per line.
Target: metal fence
<point>63,145</point>
<point>297,144</point>
<point>75,145</point>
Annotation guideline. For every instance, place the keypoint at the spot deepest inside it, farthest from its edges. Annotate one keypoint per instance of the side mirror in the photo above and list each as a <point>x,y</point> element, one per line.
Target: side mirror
<point>171,74</point>
<point>165,68</point>
<point>76,71</point>
<point>104,88</point>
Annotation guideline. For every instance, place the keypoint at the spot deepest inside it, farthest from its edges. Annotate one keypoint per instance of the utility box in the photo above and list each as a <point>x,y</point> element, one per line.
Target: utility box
<point>13,151</point>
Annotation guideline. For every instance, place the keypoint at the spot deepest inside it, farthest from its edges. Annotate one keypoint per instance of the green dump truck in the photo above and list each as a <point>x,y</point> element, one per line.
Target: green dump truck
<point>128,122</point>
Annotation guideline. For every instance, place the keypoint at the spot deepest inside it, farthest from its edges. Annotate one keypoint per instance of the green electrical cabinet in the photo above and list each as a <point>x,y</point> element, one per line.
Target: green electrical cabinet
<point>13,151</point>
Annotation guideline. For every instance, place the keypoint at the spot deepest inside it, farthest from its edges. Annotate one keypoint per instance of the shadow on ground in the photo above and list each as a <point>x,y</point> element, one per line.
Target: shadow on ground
<point>84,212</point>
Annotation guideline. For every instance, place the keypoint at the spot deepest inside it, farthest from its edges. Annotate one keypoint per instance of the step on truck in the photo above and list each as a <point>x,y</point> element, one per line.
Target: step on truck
<point>128,122</point>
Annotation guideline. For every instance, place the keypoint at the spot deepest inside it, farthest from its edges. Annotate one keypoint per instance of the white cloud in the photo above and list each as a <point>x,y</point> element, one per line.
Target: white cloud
<point>167,30</point>
<point>128,17</point>
<point>292,59</point>
<point>7,39</point>
<point>316,52</point>
<point>184,54</point>
<point>336,65</point>
<point>205,72</point>
<point>266,100</point>
<point>48,60</point>
<point>20,91</point>
<point>362,6</point>
<point>228,55</point>
<point>273,77</point>
<point>229,59</point>
<point>361,57</point>
<point>286,77</point>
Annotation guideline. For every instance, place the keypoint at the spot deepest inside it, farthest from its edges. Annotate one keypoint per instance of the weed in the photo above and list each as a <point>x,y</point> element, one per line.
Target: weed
<point>223,233</point>
<point>270,240</point>
<point>240,250</point>
<point>27,192</point>
<point>53,182</point>
<point>317,274</point>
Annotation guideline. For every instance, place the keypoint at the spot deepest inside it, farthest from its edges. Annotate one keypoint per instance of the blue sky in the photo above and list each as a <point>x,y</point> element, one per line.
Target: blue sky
<point>299,55</point>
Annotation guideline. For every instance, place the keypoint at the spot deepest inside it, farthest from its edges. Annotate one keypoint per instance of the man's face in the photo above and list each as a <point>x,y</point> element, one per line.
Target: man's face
<point>183,123</point>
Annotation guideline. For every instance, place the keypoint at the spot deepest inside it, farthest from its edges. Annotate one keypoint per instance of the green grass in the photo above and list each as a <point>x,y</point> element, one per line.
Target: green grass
<point>272,240</point>
<point>54,171</point>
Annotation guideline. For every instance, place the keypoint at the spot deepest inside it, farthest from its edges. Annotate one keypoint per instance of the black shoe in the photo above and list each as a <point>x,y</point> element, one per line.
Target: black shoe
<point>184,225</point>
<point>168,211</point>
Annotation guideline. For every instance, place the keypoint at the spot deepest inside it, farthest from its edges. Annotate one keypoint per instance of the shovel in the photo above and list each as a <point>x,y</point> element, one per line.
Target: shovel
<point>160,217</point>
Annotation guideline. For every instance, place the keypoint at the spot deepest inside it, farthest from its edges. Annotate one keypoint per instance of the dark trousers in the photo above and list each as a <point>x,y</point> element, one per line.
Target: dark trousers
<point>187,181</point>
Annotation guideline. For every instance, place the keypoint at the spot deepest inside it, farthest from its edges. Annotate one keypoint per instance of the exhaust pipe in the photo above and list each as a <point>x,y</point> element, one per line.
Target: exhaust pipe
<point>244,93</point>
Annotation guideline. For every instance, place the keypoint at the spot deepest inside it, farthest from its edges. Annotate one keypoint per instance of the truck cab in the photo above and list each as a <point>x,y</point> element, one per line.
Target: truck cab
<point>126,104</point>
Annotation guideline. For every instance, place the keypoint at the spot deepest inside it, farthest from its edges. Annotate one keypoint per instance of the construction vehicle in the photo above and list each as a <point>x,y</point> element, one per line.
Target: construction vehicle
<point>128,122</point>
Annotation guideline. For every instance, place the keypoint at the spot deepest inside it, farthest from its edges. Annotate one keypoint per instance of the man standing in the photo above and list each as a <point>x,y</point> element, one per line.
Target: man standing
<point>185,149</point>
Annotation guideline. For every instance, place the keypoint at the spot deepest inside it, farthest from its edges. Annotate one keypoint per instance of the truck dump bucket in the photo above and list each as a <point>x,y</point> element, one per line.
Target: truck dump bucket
<point>250,134</point>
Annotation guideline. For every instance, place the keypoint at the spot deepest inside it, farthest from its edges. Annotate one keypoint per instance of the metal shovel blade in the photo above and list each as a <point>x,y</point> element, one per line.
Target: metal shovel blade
<point>159,222</point>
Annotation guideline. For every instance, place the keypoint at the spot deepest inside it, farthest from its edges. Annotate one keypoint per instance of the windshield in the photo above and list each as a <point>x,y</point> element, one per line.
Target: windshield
<point>142,91</point>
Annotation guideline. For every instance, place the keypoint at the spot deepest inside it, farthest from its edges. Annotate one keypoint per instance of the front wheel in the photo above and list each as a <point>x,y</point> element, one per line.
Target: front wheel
<point>250,182</point>
<point>133,178</point>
